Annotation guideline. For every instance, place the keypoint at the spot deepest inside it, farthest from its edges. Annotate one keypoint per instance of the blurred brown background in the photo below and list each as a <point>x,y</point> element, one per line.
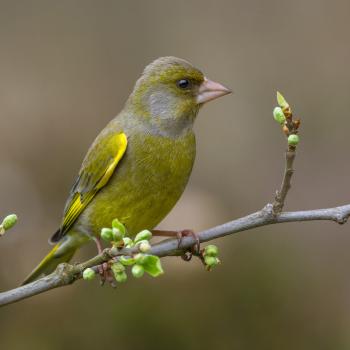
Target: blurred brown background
<point>66,67</point>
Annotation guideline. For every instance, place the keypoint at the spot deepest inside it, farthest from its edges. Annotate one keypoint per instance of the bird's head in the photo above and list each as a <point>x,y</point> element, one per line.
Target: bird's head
<point>170,93</point>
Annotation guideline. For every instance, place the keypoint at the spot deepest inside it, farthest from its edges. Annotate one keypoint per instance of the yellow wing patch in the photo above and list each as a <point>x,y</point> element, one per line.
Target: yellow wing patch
<point>85,193</point>
<point>121,143</point>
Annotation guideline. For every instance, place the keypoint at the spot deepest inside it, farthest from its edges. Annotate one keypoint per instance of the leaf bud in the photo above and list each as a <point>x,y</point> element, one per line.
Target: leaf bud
<point>118,225</point>
<point>211,261</point>
<point>107,234</point>
<point>211,250</point>
<point>143,235</point>
<point>144,246</point>
<point>128,243</point>
<point>126,260</point>
<point>89,274</point>
<point>293,140</point>
<point>278,115</point>
<point>9,221</point>
<point>117,268</point>
<point>282,101</point>
<point>137,271</point>
<point>121,277</point>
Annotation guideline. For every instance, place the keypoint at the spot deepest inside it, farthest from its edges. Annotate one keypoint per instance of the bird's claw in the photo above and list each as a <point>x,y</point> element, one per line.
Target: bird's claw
<point>194,250</point>
<point>106,274</point>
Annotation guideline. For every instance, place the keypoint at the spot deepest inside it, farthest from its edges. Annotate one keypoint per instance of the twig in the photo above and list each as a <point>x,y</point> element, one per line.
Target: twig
<point>281,195</point>
<point>66,274</point>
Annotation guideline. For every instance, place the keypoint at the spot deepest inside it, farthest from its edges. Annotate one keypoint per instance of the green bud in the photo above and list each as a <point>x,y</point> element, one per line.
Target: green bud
<point>293,140</point>
<point>128,243</point>
<point>211,261</point>
<point>144,246</point>
<point>137,271</point>
<point>117,235</point>
<point>278,115</point>
<point>118,225</point>
<point>9,221</point>
<point>143,235</point>
<point>281,100</point>
<point>126,260</point>
<point>121,277</point>
<point>107,234</point>
<point>89,274</point>
<point>140,258</point>
<point>117,268</point>
<point>211,250</point>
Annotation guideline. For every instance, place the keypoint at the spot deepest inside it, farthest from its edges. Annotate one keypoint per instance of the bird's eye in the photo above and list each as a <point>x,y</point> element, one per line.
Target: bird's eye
<point>183,83</point>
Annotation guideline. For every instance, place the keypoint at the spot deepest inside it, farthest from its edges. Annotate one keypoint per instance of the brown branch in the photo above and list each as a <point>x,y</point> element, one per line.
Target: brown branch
<point>281,195</point>
<point>66,274</point>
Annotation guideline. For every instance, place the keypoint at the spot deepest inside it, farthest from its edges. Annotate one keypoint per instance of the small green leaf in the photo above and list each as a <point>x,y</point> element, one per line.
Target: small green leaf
<point>152,265</point>
<point>211,250</point>
<point>293,140</point>
<point>137,271</point>
<point>281,100</point>
<point>143,235</point>
<point>278,115</point>
<point>89,274</point>
<point>118,225</point>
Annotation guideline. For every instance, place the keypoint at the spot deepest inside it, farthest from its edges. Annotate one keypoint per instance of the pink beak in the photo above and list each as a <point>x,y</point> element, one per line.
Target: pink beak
<point>210,90</point>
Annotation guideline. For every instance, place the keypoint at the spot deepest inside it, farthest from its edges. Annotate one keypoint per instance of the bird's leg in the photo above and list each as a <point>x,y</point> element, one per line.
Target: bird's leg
<point>195,249</point>
<point>103,269</point>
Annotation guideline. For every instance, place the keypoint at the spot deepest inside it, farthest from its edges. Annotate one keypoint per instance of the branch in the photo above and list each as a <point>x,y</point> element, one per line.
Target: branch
<point>281,195</point>
<point>66,274</point>
<point>271,214</point>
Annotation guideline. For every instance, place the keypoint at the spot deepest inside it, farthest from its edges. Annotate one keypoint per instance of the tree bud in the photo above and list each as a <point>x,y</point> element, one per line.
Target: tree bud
<point>144,246</point>
<point>278,115</point>
<point>211,250</point>
<point>121,277</point>
<point>89,274</point>
<point>107,234</point>
<point>293,140</point>
<point>118,225</point>
<point>143,235</point>
<point>137,271</point>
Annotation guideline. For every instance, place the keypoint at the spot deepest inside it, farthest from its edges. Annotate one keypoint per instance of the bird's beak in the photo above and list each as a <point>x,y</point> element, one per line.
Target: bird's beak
<point>210,90</point>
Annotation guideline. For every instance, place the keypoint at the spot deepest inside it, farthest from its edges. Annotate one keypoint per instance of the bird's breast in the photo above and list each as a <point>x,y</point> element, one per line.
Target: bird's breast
<point>146,184</point>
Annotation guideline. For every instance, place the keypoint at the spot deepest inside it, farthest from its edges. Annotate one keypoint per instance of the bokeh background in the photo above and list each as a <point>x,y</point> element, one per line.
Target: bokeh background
<point>66,67</point>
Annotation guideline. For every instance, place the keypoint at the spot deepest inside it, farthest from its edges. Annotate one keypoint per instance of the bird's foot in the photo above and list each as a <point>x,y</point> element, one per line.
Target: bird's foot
<point>104,269</point>
<point>194,250</point>
<point>106,274</point>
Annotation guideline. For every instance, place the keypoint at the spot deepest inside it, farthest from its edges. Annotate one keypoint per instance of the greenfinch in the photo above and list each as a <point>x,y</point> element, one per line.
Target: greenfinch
<point>138,166</point>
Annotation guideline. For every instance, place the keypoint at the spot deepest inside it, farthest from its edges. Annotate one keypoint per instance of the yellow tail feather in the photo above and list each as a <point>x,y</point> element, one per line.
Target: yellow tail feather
<point>63,251</point>
<point>50,262</point>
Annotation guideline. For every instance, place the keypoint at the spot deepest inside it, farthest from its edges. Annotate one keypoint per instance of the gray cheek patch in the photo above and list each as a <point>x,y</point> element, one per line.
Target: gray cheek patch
<point>160,103</point>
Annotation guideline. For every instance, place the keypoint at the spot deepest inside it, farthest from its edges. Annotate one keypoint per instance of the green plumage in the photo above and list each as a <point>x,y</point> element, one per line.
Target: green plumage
<point>151,175</point>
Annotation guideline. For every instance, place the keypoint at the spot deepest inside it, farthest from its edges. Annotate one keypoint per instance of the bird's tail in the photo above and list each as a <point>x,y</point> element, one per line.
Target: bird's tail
<point>63,251</point>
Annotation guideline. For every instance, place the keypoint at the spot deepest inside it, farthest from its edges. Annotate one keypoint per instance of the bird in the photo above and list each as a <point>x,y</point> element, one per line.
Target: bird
<point>140,163</point>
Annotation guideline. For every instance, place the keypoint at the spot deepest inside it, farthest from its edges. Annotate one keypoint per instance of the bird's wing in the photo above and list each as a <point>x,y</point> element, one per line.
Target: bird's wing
<point>96,170</point>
